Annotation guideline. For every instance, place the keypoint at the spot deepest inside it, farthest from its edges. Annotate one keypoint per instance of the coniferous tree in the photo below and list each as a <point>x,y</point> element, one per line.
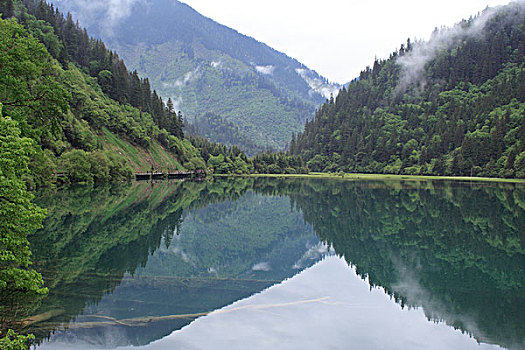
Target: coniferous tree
<point>467,118</point>
<point>7,9</point>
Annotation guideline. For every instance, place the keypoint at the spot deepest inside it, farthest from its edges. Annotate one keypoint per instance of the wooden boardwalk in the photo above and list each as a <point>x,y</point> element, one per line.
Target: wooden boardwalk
<point>156,175</point>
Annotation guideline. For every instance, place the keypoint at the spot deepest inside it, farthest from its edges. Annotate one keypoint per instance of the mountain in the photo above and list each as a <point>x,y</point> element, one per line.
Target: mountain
<point>205,67</point>
<point>424,243</point>
<point>86,118</point>
<point>149,237</point>
<point>83,115</point>
<point>454,105</point>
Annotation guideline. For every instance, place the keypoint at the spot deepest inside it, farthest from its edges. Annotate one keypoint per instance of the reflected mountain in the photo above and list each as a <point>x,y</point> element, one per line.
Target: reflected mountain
<point>132,271</point>
<point>456,250</point>
<point>129,264</point>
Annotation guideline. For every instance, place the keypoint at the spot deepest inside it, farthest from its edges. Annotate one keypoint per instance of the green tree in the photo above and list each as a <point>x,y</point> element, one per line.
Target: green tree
<point>104,80</point>
<point>466,120</point>
<point>18,216</point>
<point>29,85</point>
<point>519,165</point>
<point>13,341</point>
<point>7,9</point>
<point>76,165</point>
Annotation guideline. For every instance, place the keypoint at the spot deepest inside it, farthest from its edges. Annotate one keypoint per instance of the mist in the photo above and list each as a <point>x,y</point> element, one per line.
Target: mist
<point>413,63</point>
<point>90,12</point>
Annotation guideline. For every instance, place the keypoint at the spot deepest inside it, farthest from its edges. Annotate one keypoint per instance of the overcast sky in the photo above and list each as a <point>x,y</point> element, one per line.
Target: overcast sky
<point>338,38</point>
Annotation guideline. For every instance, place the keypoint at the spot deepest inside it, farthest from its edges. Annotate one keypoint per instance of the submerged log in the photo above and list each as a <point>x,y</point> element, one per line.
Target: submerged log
<point>42,317</point>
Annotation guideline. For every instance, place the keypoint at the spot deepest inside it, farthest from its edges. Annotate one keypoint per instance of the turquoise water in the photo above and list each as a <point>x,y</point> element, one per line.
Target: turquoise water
<point>286,264</point>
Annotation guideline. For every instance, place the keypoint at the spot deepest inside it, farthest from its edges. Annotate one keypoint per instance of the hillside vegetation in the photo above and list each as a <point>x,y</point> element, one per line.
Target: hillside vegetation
<point>205,67</point>
<point>396,237</point>
<point>90,119</point>
<point>452,106</point>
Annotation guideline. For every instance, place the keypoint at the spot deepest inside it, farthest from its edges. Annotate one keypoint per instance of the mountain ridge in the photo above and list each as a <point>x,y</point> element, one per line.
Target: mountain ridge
<point>454,105</point>
<point>206,67</point>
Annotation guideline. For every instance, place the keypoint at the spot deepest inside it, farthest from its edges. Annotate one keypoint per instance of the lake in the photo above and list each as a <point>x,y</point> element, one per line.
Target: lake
<point>261,263</point>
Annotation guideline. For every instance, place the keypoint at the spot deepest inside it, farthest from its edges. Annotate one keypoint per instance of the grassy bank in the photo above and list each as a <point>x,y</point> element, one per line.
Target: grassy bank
<point>390,177</point>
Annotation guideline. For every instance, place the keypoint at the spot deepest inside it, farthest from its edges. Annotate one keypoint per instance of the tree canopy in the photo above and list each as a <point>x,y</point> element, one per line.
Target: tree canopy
<point>18,216</point>
<point>461,113</point>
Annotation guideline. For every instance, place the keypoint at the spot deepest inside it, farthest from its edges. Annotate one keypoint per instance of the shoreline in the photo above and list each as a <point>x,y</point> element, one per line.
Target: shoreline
<point>353,176</point>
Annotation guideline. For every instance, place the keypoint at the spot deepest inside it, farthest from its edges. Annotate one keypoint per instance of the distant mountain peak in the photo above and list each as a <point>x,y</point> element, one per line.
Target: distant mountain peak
<point>204,66</point>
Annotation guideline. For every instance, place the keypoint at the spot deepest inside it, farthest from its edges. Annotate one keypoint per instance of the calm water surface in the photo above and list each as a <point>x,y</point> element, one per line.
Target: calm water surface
<point>284,264</point>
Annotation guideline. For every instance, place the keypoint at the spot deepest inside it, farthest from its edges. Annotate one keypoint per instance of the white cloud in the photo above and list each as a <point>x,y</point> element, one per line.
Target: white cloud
<point>89,11</point>
<point>339,38</point>
<point>187,78</point>
<point>268,70</point>
<point>414,62</point>
<point>312,254</point>
<point>317,85</point>
<point>263,266</point>
<point>177,102</point>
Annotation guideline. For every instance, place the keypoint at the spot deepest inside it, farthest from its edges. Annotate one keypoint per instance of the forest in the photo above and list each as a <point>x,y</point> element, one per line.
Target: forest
<point>460,113</point>
<point>388,231</point>
<point>206,67</point>
<point>72,112</point>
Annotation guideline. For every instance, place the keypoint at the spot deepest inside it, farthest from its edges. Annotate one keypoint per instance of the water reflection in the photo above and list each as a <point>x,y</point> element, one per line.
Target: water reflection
<point>131,264</point>
<point>456,250</point>
<point>326,306</point>
<point>173,265</point>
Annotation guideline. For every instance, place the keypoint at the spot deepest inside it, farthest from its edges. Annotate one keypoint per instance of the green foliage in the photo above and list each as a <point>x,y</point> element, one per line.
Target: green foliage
<point>18,216</point>
<point>76,165</point>
<point>519,165</point>
<point>29,87</point>
<point>7,8</point>
<point>13,341</point>
<point>218,129</point>
<point>206,67</point>
<point>42,169</point>
<point>68,113</point>
<point>222,159</point>
<point>79,166</point>
<point>317,163</point>
<point>461,244</point>
<point>254,118</point>
<point>67,42</point>
<point>467,119</point>
<point>278,163</point>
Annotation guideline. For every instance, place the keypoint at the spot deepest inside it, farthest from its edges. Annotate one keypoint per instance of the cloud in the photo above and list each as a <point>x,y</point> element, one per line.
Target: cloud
<point>268,70</point>
<point>435,309</point>
<point>263,266</point>
<point>323,88</point>
<point>189,77</point>
<point>105,13</point>
<point>177,102</point>
<point>313,253</point>
<point>413,63</point>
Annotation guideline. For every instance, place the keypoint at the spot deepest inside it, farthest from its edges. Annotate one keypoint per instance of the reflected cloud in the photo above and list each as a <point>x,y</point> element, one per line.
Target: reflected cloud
<point>263,266</point>
<point>416,295</point>
<point>313,253</point>
<point>331,297</point>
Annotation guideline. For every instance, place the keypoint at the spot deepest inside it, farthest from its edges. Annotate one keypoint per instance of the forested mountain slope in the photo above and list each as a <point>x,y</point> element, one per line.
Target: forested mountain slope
<point>454,105</point>
<point>205,67</point>
<point>88,117</point>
